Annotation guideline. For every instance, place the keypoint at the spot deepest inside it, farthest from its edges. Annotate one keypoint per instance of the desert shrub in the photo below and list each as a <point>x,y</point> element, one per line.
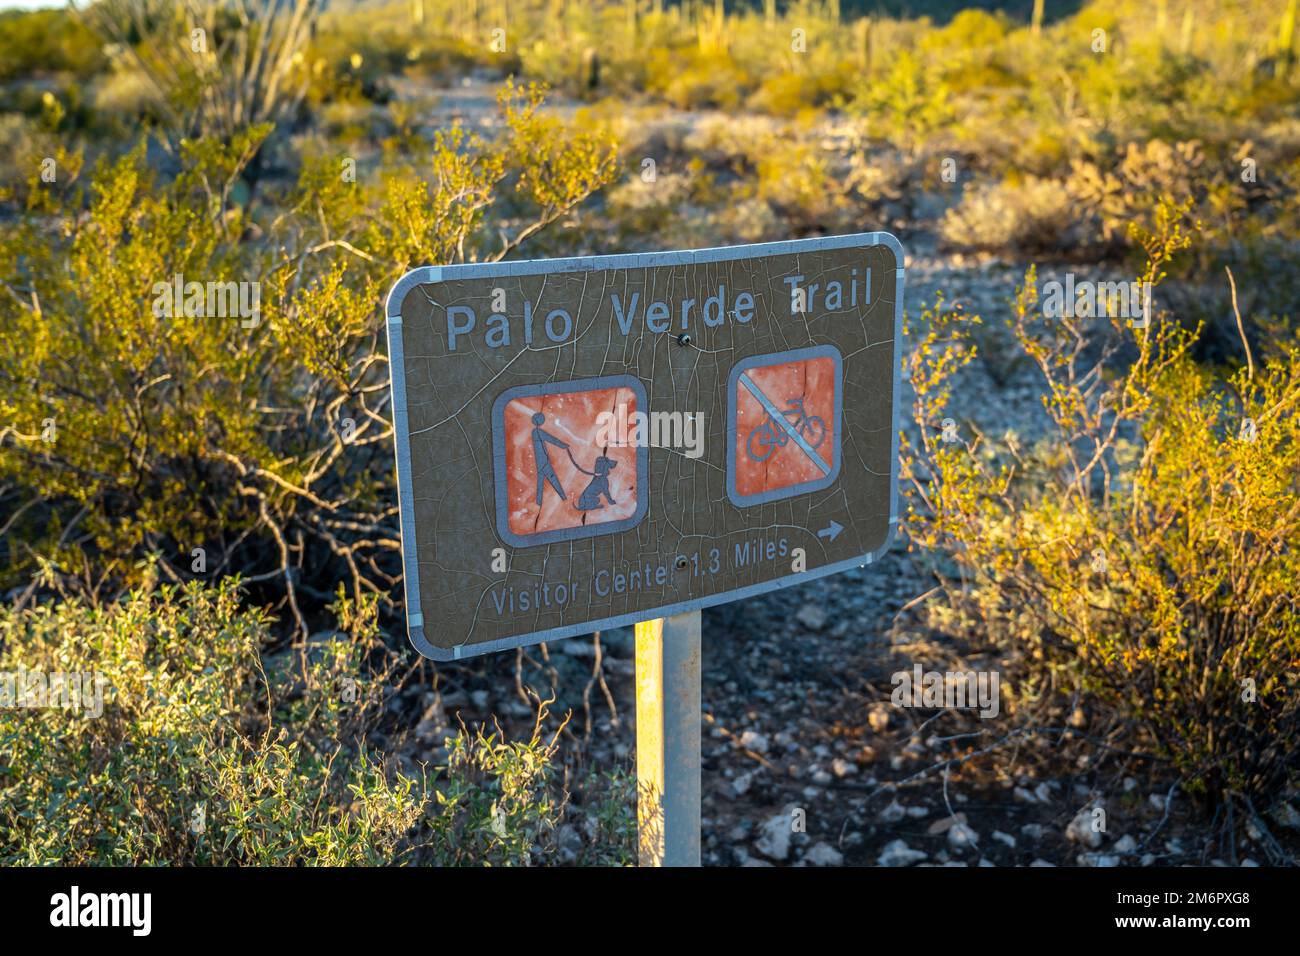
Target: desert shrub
<point>203,752</point>
<point>1028,214</point>
<point>1141,549</point>
<point>41,42</point>
<point>131,429</point>
<point>215,68</point>
<point>907,104</point>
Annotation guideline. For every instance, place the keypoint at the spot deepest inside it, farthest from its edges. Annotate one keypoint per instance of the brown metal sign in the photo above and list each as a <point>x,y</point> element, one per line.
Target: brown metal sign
<point>587,443</point>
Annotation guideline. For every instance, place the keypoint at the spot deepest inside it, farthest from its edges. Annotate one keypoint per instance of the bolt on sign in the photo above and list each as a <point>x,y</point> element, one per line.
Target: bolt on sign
<point>587,443</point>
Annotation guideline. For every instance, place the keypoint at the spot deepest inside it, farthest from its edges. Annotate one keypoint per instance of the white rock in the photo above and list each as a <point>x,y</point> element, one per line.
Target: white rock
<point>823,854</point>
<point>918,811</point>
<point>1023,795</point>
<point>774,837</point>
<point>1006,838</point>
<point>961,837</point>
<point>898,853</point>
<point>753,740</point>
<point>1098,859</point>
<point>1125,844</point>
<point>1043,863</point>
<point>1080,830</point>
<point>892,813</point>
<point>843,768</point>
<point>811,617</point>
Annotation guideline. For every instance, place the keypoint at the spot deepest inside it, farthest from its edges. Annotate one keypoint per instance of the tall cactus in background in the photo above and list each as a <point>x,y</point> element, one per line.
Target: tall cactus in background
<point>1036,24</point>
<point>863,30</point>
<point>1286,41</point>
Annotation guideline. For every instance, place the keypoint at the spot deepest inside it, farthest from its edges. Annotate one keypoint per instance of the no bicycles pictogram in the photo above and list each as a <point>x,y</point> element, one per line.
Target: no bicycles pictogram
<point>784,430</point>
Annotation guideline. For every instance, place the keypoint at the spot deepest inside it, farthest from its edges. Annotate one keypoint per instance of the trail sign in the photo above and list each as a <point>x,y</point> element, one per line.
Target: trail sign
<point>587,443</point>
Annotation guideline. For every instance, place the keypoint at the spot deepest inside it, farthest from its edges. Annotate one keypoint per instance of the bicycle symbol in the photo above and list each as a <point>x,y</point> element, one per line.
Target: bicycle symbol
<point>771,436</point>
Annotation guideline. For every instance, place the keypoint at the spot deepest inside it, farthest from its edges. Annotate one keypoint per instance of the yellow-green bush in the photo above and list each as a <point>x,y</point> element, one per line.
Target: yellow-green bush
<point>1142,550</point>
<point>127,431</point>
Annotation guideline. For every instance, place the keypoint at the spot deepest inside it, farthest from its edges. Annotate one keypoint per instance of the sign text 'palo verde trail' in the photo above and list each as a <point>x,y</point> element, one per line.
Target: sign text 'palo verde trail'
<point>587,443</point>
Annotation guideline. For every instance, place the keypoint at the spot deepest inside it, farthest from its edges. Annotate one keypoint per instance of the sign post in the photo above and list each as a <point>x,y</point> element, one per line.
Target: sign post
<point>598,442</point>
<point>668,740</point>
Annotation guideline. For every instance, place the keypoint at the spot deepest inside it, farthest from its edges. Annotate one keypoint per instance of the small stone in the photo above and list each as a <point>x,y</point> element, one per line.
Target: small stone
<point>774,836</point>
<point>1023,795</point>
<point>1034,831</point>
<point>823,854</point>
<point>1043,863</point>
<point>1105,860</point>
<point>811,617</point>
<point>1125,845</point>
<point>1006,838</point>
<point>1148,859</point>
<point>1081,830</point>
<point>740,786</point>
<point>878,718</point>
<point>843,768</point>
<point>892,813</point>
<point>898,853</point>
<point>917,812</point>
<point>753,740</point>
<point>946,824</point>
<point>821,777</point>
<point>962,838</point>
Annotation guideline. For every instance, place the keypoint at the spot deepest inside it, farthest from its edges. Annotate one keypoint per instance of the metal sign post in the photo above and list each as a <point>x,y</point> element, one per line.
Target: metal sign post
<point>668,740</point>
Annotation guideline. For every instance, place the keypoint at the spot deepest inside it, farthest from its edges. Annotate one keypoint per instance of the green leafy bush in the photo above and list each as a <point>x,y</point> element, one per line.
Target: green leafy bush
<point>204,752</point>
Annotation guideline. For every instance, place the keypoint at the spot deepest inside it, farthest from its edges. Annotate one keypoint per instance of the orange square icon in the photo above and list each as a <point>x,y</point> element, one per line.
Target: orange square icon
<point>558,468</point>
<point>783,434</point>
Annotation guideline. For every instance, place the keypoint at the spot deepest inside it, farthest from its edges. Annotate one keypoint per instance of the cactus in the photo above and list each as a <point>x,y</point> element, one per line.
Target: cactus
<point>1286,41</point>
